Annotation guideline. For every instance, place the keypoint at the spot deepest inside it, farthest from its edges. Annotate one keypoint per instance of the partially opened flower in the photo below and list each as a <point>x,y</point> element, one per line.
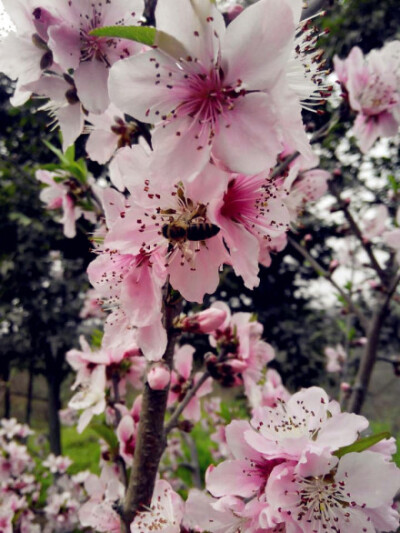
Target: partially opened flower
<point>182,380</point>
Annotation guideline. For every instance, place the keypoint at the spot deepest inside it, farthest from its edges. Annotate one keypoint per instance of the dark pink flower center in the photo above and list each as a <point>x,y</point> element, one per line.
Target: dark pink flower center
<point>204,96</point>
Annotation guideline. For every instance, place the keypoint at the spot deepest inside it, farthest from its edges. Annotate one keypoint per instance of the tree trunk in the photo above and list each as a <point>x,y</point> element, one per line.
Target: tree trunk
<point>54,385</point>
<point>150,440</point>
<point>5,374</point>
<point>28,412</point>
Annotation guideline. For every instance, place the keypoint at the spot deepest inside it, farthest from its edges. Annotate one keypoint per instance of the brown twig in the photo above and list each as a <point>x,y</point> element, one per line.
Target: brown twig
<point>150,442</point>
<point>173,421</point>
<point>328,276</point>
<point>358,233</point>
<point>368,360</point>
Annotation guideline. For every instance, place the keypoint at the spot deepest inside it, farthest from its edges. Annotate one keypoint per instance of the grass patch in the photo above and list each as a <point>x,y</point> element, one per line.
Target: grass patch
<point>82,448</point>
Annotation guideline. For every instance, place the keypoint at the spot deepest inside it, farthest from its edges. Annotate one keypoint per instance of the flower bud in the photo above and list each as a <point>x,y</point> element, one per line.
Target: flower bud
<point>345,387</point>
<point>233,12</point>
<point>159,376</point>
<point>204,322</point>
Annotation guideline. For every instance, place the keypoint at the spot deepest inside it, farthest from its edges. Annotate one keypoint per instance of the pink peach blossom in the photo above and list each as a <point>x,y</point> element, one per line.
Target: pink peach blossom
<point>165,513</point>
<point>373,86</point>
<point>91,57</point>
<point>209,90</point>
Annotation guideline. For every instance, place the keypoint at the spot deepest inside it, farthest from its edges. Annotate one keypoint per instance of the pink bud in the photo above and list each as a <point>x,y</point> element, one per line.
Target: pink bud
<point>345,387</point>
<point>333,265</point>
<point>204,322</point>
<point>233,12</point>
<point>159,376</point>
<point>136,408</point>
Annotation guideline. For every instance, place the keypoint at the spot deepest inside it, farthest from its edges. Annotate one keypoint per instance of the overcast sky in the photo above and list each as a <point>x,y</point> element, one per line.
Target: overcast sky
<point>4,20</point>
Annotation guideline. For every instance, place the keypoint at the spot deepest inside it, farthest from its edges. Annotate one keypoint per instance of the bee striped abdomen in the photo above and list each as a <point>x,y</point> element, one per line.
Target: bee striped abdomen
<point>180,231</point>
<point>200,231</point>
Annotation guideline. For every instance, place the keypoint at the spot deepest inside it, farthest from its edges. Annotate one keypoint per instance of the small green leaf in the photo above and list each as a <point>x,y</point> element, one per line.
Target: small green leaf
<point>70,153</point>
<point>57,152</point>
<point>393,183</point>
<point>107,434</point>
<point>362,444</point>
<point>140,34</point>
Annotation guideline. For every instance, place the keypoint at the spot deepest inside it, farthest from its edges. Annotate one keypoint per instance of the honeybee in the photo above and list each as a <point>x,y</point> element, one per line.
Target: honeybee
<point>194,230</point>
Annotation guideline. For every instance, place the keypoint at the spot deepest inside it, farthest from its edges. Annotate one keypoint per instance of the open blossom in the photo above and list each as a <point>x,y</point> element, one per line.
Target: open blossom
<point>374,221</point>
<point>169,221</point>
<point>270,392</point>
<point>63,192</point>
<point>392,237</point>
<point>57,464</point>
<point>336,495</point>
<point>62,104</point>
<point>91,57</point>
<point>245,354</point>
<point>308,421</point>
<point>297,483</point>
<point>108,132</point>
<point>24,54</point>
<point>165,513</point>
<point>104,492</point>
<point>117,358</point>
<point>252,210</point>
<point>210,91</point>
<point>335,358</point>
<point>373,86</point>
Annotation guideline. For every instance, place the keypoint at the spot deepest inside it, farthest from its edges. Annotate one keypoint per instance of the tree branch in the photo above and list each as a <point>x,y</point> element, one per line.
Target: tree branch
<point>150,442</point>
<point>173,421</point>
<point>328,276</point>
<point>149,12</point>
<point>357,232</point>
<point>368,360</point>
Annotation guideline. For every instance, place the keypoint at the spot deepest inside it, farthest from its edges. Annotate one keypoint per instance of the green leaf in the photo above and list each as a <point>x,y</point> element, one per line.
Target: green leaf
<point>393,183</point>
<point>362,444</point>
<point>70,153</point>
<point>97,337</point>
<point>146,35</point>
<point>140,34</point>
<point>57,152</point>
<point>107,434</point>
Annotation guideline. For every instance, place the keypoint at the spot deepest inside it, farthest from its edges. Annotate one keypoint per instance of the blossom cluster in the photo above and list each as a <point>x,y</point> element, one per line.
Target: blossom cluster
<point>195,126</point>
<point>22,478</point>
<point>292,468</point>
